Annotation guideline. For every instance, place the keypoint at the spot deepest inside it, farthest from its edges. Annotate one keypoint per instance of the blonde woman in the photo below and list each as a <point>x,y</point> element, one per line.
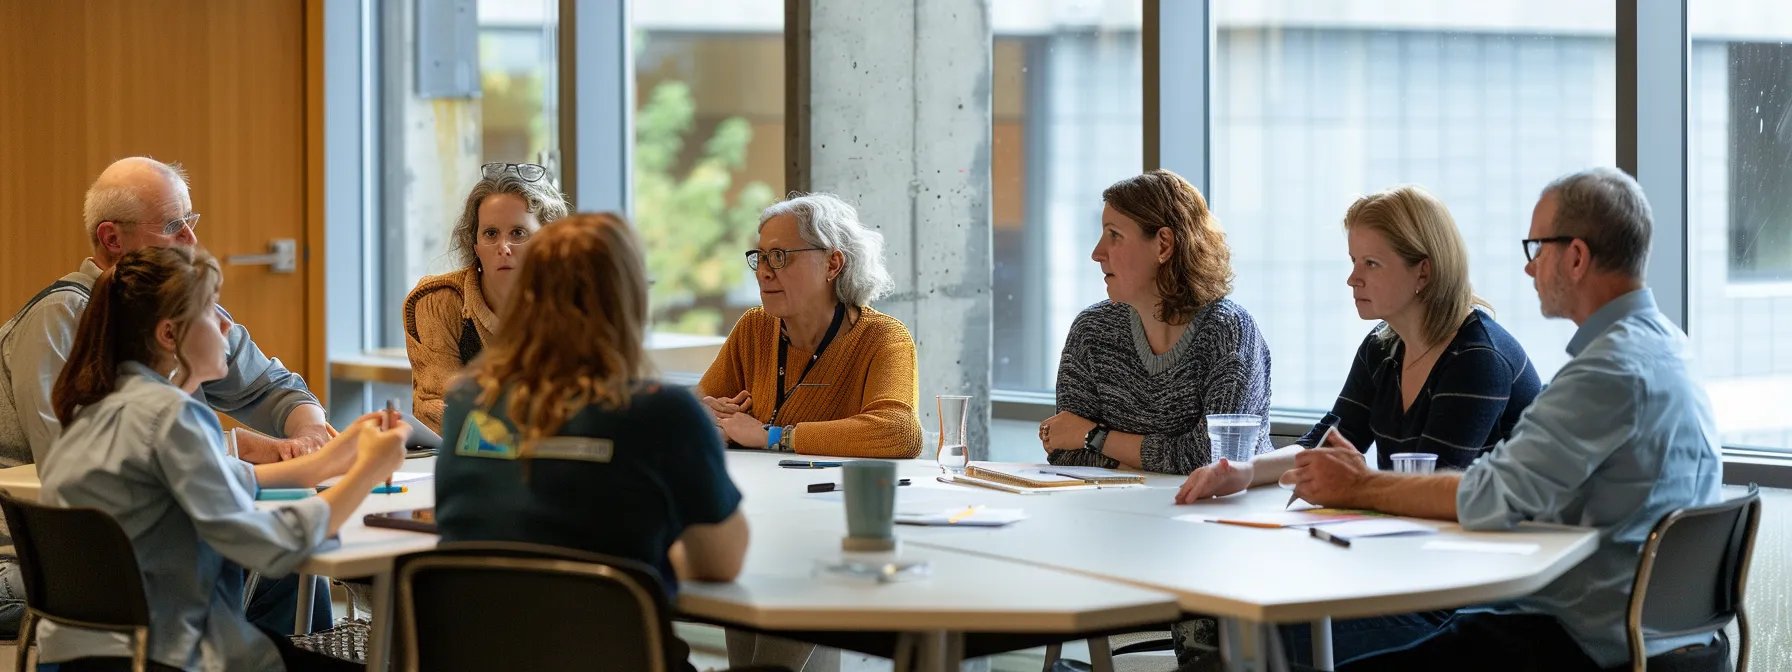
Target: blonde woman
<point>1437,376</point>
<point>449,318</point>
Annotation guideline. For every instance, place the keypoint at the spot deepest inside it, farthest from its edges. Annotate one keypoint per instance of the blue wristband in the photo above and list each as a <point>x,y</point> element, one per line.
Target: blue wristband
<point>772,434</point>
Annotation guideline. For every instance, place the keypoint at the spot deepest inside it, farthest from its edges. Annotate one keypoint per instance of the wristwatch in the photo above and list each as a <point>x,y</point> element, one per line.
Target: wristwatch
<point>1096,438</point>
<point>787,440</point>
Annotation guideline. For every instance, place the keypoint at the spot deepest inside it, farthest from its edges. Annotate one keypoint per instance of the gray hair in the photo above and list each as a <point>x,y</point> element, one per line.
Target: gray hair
<point>117,200</point>
<point>540,197</point>
<point>1605,208</point>
<point>825,221</point>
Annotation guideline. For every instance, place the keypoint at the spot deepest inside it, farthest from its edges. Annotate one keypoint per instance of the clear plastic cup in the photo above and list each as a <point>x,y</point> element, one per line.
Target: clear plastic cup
<point>953,453</point>
<point>1414,463</point>
<point>1233,436</point>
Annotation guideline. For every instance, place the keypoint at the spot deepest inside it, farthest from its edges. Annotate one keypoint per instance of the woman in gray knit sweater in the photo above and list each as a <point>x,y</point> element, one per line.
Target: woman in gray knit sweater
<point>1142,371</point>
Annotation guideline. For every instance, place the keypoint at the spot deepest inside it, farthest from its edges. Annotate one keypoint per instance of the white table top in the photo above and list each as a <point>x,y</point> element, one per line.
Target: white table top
<point>1130,536</point>
<point>780,589</point>
<point>366,551</point>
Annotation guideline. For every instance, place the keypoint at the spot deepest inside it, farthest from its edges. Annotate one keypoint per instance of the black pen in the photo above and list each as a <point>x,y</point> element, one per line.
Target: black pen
<point>1317,533</point>
<point>1328,423</point>
<point>830,487</point>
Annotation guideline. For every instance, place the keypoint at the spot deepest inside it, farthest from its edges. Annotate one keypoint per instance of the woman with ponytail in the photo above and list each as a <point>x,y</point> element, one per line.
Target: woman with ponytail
<point>139,446</point>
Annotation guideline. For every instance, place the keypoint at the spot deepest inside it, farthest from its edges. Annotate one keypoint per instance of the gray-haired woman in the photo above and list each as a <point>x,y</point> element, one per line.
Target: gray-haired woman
<point>816,370</point>
<point>449,317</point>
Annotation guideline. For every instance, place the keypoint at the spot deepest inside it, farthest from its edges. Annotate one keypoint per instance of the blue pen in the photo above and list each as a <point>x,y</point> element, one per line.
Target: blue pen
<point>1326,425</point>
<point>389,489</point>
<point>283,494</point>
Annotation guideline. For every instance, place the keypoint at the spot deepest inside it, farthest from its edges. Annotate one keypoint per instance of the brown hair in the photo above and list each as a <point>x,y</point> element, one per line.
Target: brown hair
<point>575,331</point>
<point>540,197</point>
<point>146,286</point>
<point>1419,227</point>
<point>1199,271</point>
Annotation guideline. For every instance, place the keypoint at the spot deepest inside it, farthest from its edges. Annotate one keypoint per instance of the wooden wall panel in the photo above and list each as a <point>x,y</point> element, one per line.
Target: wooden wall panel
<point>217,85</point>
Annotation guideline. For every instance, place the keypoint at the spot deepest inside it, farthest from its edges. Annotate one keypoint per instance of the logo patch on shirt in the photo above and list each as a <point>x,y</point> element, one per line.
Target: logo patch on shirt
<point>485,436</point>
<point>581,448</point>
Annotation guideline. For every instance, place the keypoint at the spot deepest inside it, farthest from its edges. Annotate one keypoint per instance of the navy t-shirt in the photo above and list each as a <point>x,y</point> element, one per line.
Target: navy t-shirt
<point>625,482</point>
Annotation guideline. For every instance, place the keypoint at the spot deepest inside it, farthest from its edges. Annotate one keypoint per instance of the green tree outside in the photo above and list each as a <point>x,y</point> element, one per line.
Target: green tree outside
<point>694,234</point>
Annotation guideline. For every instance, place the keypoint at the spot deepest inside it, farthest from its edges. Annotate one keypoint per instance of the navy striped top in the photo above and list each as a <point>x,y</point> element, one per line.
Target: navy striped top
<point>1473,397</point>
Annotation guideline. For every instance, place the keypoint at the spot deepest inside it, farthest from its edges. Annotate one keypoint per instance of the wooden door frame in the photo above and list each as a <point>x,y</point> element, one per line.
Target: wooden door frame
<point>317,365</point>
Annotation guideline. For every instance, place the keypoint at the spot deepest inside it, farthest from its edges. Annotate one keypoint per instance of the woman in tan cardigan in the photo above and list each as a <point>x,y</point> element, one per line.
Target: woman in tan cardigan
<point>848,386</point>
<point>449,317</point>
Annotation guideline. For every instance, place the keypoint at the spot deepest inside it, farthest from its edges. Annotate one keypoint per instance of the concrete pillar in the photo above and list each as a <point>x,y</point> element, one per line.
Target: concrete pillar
<point>898,116</point>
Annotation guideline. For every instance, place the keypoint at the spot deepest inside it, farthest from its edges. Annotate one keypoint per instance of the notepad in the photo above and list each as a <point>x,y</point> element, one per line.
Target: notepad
<point>962,516</point>
<point>1508,548</point>
<point>1377,527</point>
<point>1048,476</point>
<point>397,478</point>
<point>1279,519</point>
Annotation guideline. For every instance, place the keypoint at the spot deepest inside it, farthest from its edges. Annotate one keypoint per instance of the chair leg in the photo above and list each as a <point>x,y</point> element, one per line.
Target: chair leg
<point>1742,630</point>
<point>1101,658</point>
<point>1052,653</point>
<point>140,652</point>
<point>27,625</point>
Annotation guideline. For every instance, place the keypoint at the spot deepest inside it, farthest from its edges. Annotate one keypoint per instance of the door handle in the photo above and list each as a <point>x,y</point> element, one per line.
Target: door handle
<point>282,257</point>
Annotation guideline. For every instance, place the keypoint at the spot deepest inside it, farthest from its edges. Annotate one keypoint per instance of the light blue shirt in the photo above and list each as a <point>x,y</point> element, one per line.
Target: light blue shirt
<point>258,391</point>
<point>153,457</point>
<point>1621,436</point>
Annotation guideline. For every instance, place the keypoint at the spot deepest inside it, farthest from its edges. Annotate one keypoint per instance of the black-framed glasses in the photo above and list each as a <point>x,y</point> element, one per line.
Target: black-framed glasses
<point>530,172</point>
<point>172,226</point>
<point>1532,246</point>
<point>776,257</point>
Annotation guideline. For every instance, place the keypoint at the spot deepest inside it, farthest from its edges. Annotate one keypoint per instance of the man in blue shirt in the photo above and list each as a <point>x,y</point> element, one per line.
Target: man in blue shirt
<point>1621,436</point>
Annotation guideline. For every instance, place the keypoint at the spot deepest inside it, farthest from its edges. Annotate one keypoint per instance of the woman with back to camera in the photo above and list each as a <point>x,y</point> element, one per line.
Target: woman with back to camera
<point>560,429</point>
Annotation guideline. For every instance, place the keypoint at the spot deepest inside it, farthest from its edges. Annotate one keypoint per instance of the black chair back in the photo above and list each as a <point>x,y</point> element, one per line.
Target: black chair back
<point>1693,573</point>
<point>487,606</point>
<point>78,565</point>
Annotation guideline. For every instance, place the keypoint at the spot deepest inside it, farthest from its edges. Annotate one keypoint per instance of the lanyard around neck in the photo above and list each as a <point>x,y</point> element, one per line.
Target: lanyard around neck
<point>784,354</point>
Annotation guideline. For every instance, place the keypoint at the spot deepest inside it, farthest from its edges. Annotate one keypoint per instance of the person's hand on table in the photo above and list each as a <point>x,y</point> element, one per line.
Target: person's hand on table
<point>1216,480</point>
<point>339,454</point>
<point>721,408</point>
<point>379,451</point>
<point>305,444</point>
<point>1064,431</point>
<point>744,430</point>
<point>1330,475</point>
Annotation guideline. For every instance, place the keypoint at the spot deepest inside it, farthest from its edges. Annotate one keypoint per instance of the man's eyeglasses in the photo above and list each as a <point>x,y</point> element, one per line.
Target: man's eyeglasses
<point>172,226</point>
<point>530,172</point>
<point>776,257</point>
<point>1532,246</point>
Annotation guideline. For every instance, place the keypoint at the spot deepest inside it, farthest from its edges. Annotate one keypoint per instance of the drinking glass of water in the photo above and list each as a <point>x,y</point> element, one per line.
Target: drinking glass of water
<point>1233,436</point>
<point>954,410</point>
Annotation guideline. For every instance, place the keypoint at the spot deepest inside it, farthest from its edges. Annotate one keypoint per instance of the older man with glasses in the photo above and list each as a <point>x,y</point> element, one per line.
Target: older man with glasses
<point>138,202</point>
<point>1622,435</point>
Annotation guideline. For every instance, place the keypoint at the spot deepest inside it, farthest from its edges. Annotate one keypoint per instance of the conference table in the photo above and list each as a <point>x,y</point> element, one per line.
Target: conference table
<point>1082,563</point>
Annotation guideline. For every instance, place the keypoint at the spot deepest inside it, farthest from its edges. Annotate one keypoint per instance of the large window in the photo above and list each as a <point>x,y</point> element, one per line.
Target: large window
<point>709,152</point>
<point>454,91</point>
<point>1316,104</point>
<point>1068,121</point>
<point>1739,206</point>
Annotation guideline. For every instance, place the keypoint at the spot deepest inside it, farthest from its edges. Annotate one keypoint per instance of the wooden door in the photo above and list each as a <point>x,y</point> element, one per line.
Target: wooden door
<point>218,86</point>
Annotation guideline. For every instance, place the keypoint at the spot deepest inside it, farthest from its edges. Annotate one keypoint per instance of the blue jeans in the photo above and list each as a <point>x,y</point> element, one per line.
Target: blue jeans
<point>276,600</point>
<point>1356,637</point>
